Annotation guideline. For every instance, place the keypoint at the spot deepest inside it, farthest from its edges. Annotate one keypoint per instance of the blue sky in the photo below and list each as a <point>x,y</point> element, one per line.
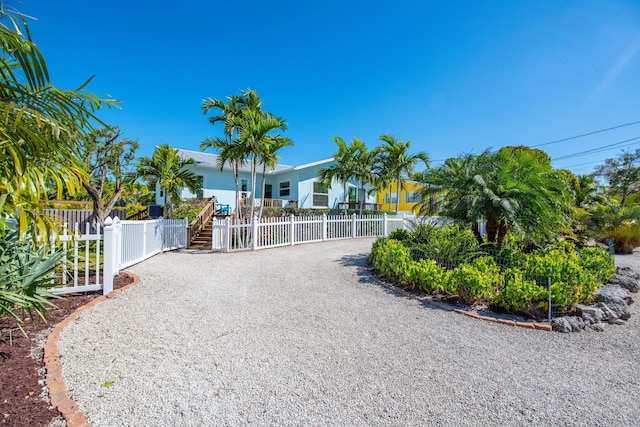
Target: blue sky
<point>453,77</point>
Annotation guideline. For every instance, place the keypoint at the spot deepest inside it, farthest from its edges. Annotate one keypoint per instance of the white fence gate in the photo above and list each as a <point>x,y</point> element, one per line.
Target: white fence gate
<point>119,245</point>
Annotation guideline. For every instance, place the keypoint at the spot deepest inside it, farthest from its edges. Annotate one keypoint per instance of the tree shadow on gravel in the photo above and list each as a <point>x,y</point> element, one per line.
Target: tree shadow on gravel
<point>367,274</point>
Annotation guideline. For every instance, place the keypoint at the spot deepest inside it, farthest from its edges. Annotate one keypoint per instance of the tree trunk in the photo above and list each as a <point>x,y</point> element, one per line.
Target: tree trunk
<point>262,187</point>
<point>492,230</point>
<point>476,232</point>
<point>397,193</point>
<point>254,173</point>
<point>346,197</point>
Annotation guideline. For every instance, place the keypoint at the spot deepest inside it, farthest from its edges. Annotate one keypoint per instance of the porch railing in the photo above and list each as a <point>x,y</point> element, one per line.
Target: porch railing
<point>356,205</point>
<point>270,203</point>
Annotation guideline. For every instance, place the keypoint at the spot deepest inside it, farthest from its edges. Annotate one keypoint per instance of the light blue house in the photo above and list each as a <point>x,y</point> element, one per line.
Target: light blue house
<point>286,186</point>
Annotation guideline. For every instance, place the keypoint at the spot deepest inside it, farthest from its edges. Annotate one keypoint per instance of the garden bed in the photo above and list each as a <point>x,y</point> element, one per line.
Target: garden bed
<point>23,397</point>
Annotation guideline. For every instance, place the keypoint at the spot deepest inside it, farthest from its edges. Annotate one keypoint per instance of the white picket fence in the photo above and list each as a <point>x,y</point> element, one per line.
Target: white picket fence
<point>119,245</point>
<point>292,230</point>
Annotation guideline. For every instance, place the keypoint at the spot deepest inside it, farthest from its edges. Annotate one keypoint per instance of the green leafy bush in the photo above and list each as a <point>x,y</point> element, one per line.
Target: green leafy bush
<point>428,276</point>
<point>479,280</point>
<point>189,209</point>
<point>400,235</point>
<point>521,295</point>
<point>450,261</point>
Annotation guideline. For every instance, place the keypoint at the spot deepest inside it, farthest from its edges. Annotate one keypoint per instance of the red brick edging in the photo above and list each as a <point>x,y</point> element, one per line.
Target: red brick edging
<point>444,306</point>
<point>57,388</point>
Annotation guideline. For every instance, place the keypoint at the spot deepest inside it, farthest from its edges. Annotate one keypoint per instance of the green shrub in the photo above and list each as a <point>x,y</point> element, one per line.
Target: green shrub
<point>392,259</point>
<point>521,295</point>
<point>477,281</point>
<point>626,237</point>
<point>189,209</point>
<point>428,276</point>
<point>400,235</point>
<point>574,274</point>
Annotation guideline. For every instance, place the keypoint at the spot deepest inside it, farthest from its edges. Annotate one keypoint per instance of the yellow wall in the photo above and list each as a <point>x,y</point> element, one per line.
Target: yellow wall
<point>409,186</point>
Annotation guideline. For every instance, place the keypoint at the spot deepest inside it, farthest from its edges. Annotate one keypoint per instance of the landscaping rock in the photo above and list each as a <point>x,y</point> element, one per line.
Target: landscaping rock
<point>628,271</point>
<point>589,313</point>
<point>616,299</point>
<point>598,327</point>
<point>609,293</point>
<point>625,281</point>
<point>567,324</point>
<point>608,314</point>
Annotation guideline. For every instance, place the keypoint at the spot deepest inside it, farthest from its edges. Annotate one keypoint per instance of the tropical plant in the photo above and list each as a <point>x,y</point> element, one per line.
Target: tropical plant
<point>509,189</point>
<point>256,131</point>
<point>170,172</point>
<point>229,149</point>
<point>344,166</point>
<point>104,154</point>
<point>395,162</point>
<point>614,221</point>
<point>41,125</point>
<point>622,174</point>
<point>269,158</point>
<point>25,274</point>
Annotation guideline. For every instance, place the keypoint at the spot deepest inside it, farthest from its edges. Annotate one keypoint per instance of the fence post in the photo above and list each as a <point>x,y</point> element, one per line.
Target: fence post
<point>292,230</point>
<point>185,239</point>
<point>404,221</point>
<point>254,232</point>
<point>324,226</point>
<point>353,225</point>
<point>549,290</point>
<point>226,244</point>
<point>111,253</point>
<point>161,225</point>
<point>385,226</point>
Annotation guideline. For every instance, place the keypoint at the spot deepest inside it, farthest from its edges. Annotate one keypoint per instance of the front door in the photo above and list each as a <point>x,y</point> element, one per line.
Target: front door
<point>268,191</point>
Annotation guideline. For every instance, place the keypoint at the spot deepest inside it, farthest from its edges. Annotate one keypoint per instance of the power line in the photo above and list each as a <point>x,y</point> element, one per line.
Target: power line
<point>585,134</point>
<point>597,150</point>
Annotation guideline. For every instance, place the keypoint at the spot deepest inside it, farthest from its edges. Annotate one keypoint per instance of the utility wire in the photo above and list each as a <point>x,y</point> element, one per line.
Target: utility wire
<point>596,150</point>
<point>585,134</point>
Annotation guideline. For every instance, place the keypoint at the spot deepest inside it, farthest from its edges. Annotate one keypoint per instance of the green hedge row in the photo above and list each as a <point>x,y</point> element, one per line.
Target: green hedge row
<point>515,281</point>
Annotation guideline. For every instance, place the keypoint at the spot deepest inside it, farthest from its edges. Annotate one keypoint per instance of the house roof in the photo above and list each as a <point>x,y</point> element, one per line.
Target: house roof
<point>208,160</point>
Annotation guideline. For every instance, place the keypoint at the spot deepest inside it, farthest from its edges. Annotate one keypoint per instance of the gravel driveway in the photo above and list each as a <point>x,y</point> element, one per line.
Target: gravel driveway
<point>298,336</point>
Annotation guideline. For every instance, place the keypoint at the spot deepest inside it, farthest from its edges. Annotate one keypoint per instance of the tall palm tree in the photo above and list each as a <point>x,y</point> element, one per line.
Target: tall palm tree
<point>396,162</point>
<point>40,129</point>
<point>167,169</point>
<point>366,161</point>
<point>255,130</point>
<point>269,158</point>
<point>230,150</point>
<point>345,166</point>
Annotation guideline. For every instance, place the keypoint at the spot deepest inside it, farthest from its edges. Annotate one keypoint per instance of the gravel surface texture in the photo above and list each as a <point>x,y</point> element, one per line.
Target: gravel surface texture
<point>300,336</point>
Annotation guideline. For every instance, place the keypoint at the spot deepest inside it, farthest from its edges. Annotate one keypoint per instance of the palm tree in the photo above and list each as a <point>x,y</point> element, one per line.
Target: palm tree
<point>255,129</point>
<point>167,169</point>
<point>229,151</point>
<point>365,163</point>
<point>510,190</point>
<point>269,158</point>
<point>345,166</point>
<point>396,162</point>
<point>586,191</point>
<point>40,129</point>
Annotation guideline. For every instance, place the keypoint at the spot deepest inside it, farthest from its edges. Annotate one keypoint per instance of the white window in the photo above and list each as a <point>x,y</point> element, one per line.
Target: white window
<point>412,197</point>
<point>320,195</point>
<point>284,189</point>
<point>390,198</point>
